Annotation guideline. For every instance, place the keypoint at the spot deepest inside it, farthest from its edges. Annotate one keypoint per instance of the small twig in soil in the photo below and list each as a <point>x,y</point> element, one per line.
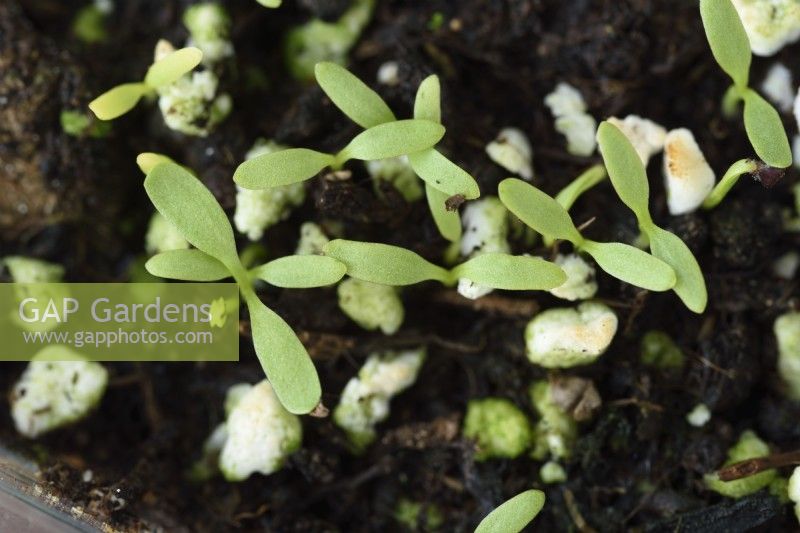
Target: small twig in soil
<point>750,467</point>
<point>494,304</point>
<point>642,404</point>
<point>574,513</point>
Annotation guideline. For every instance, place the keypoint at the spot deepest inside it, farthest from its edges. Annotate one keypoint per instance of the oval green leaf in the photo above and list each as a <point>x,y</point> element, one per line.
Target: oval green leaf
<point>510,272</point>
<point>301,271</point>
<point>513,515</point>
<point>631,265</point>
<point>147,161</point>
<point>448,222</point>
<point>625,169</point>
<point>186,265</point>
<point>393,139</point>
<point>117,101</point>
<point>352,96</point>
<point>765,131</point>
<point>385,264</point>
<point>281,168</point>
<point>690,285</point>
<point>284,358</point>
<point>728,39</point>
<point>171,67</point>
<point>190,206</point>
<point>427,104</point>
<point>538,210</point>
<point>442,174</point>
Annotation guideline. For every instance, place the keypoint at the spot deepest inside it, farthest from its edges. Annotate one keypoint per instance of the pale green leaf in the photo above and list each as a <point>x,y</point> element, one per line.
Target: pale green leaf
<point>448,222</point>
<point>186,265</point>
<point>444,175</point>
<point>690,285</point>
<point>190,206</point>
<point>281,168</point>
<point>631,265</point>
<point>538,210</point>
<point>147,161</point>
<point>570,194</point>
<point>427,104</point>
<point>352,96</point>
<point>393,139</point>
<point>727,38</point>
<point>625,169</point>
<point>117,101</point>
<point>270,3</point>
<point>513,515</point>
<point>765,131</point>
<point>510,272</point>
<point>382,263</point>
<point>283,358</point>
<point>301,271</point>
<point>171,67</point>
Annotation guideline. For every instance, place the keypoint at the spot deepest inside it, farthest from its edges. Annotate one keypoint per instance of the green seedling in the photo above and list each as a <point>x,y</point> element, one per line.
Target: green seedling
<point>546,216</point>
<point>183,200</point>
<point>570,194</point>
<point>731,48</point>
<point>165,71</point>
<point>513,515</point>
<point>270,3</point>
<point>629,178</point>
<point>392,265</point>
<point>415,138</point>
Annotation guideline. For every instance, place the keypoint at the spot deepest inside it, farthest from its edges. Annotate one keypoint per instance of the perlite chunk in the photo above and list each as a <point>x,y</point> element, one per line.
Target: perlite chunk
<point>191,105</point>
<point>485,223</point>
<point>565,337</point>
<point>371,305</point>
<point>28,270</point>
<point>777,86</point>
<point>162,236</point>
<point>569,109</point>
<point>398,172</point>
<point>499,428</point>
<point>259,433</point>
<point>512,151</point>
<point>365,399</point>
<point>555,432</point>
<point>57,388</point>
<point>646,136</point>
<point>794,490</point>
<point>580,284</point>
<point>257,210</point>
<point>209,27</point>
<point>748,447</point>
<point>770,24</point>
<point>787,332</point>
<point>312,239</point>
<point>688,177</point>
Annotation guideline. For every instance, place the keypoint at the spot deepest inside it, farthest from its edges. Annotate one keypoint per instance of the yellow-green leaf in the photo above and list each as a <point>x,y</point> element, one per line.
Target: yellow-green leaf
<point>625,169</point>
<point>301,271</point>
<point>728,39</point>
<point>765,131</point>
<point>281,168</point>
<point>392,139</point>
<point>427,104</point>
<point>444,175</point>
<point>382,263</point>
<point>117,101</point>
<point>448,222</point>
<point>513,515</point>
<point>186,265</point>
<point>538,210</point>
<point>352,96</point>
<point>170,68</point>
<point>510,272</point>
<point>690,285</point>
<point>631,265</point>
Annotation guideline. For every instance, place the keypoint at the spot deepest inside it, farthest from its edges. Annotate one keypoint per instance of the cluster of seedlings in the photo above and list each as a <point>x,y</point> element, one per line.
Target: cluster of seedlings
<point>192,239</point>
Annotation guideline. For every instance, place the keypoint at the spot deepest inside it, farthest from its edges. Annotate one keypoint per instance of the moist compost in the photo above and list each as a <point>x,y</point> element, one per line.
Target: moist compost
<point>637,465</point>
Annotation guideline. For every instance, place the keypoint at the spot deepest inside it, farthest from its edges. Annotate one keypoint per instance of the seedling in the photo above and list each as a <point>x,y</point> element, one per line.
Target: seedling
<point>514,514</point>
<point>384,137</point>
<point>189,205</point>
<point>165,71</point>
<point>546,216</point>
<point>629,179</point>
<point>570,194</point>
<point>731,48</point>
<point>392,265</point>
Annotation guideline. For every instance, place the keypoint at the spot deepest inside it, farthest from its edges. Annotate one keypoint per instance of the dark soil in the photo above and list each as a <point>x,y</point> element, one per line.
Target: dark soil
<point>637,466</point>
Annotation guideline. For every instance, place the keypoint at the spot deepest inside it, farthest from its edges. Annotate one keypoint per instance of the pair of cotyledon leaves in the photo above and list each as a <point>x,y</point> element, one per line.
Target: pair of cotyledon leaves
<point>384,137</point>
<point>165,71</point>
<point>731,49</point>
<point>672,265</point>
<point>183,200</point>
